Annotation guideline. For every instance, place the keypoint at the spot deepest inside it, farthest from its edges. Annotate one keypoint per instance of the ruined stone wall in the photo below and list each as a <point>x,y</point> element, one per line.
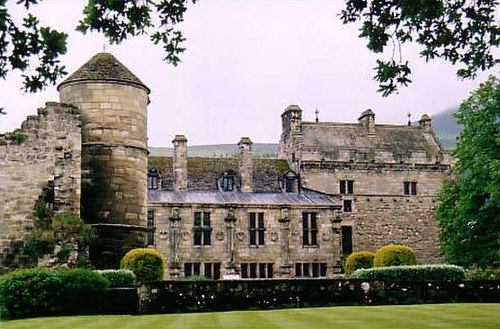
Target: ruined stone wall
<point>46,149</point>
<point>283,238</point>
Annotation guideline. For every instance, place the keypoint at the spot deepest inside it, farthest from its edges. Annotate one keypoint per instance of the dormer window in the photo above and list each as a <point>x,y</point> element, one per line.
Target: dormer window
<point>227,182</point>
<point>290,182</point>
<point>154,179</point>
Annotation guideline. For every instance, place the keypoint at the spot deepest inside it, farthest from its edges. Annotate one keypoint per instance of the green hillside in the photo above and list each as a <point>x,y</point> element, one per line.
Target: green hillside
<point>444,124</point>
<point>260,150</point>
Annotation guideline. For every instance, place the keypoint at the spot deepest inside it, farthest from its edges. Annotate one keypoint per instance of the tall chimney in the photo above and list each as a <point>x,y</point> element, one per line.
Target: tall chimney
<point>425,123</point>
<point>367,119</point>
<point>180,162</point>
<point>245,161</point>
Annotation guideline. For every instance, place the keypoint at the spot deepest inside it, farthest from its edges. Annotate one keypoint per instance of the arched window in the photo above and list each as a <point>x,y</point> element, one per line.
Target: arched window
<point>290,182</point>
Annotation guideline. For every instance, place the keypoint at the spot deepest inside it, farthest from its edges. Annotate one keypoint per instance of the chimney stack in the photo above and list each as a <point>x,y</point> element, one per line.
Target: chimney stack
<point>245,162</point>
<point>367,120</point>
<point>425,123</point>
<point>180,162</point>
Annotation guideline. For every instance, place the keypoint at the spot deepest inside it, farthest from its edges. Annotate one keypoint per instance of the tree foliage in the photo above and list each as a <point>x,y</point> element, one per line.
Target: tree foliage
<point>459,31</point>
<point>463,32</point>
<point>469,213</point>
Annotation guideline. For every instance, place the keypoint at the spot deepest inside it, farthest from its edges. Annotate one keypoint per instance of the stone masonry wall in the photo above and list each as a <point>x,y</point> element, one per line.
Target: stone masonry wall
<point>381,213</point>
<point>283,238</point>
<point>47,149</point>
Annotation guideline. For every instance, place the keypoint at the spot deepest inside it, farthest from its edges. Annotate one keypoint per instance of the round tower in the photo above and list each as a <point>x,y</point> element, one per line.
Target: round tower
<point>113,102</point>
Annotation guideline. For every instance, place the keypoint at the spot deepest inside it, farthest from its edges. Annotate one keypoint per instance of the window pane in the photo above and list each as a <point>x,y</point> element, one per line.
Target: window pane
<point>350,187</point>
<point>262,270</point>
<point>298,269</point>
<point>261,237</point>
<point>346,240</point>
<point>208,270</point>
<point>207,232</point>
<point>197,219</point>
<point>188,269</point>
<point>406,187</point>
<point>196,269</point>
<point>323,269</point>
<point>315,270</point>
<point>252,220</point>
<point>216,271</point>
<point>347,206</point>
<point>253,270</point>
<point>342,187</point>
<point>244,270</point>
<point>270,271</point>
<point>197,236</point>
<point>306,269</point>
<point>413,188</point>
<point>261,220</point>
<point>206,219</point>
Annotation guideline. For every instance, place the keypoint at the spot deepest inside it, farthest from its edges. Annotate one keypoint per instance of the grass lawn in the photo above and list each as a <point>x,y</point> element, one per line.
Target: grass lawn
<point>449,316</point>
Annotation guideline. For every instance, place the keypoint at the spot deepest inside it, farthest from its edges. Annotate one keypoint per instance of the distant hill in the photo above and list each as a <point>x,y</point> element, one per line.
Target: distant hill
<point>260,150</point>
<point>446,127</point>
<point>444,124</point>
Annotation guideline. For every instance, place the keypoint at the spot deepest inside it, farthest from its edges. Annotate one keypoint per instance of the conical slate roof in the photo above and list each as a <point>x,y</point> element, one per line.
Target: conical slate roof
<point>104,66</point>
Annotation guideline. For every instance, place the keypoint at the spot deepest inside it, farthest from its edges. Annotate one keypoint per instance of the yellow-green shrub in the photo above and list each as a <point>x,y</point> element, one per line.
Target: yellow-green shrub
<point>394,255</point>
<point>357,260</point>
<point>147,264</point>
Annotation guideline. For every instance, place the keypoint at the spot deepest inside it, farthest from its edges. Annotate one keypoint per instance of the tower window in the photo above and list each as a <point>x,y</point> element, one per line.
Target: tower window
<point>309,229</point>
<point>346,187</point>
<point>256,228</point>
<point>202,229</point>
<point>410,188</point>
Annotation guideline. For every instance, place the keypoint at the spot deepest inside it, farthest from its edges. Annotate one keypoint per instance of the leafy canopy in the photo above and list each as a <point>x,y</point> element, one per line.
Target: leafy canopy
<point>469,213</point>
<point>458,31</point>
<point>463,32</point>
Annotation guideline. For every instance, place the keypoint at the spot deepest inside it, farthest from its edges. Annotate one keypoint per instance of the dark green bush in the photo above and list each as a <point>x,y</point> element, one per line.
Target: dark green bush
<point>147,264</point>
<point>42,292</point>
<point>416,273</point>
<point>119,278</point>
<point>394,255</point>
<point>83,291</point>
<point>30,293</point>
<point>357,260</point>
<point>40,242</point>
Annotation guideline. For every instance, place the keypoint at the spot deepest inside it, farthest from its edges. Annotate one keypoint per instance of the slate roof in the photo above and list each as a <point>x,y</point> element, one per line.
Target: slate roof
<point>203,172</point>
<point>306,198</point>
<point>330,136</point>
<point>104,66</point>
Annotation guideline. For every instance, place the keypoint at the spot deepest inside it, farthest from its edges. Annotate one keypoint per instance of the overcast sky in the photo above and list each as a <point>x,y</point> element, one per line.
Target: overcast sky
<point>245,62</point>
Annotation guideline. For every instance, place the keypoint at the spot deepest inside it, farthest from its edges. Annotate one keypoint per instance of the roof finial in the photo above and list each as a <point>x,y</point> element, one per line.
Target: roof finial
<point>317,112</point>
<point>409,118</point>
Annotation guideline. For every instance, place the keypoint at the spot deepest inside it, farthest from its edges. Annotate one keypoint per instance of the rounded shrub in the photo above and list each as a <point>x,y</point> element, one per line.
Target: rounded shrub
<point>147,264</point>
<point>394,255</point>
<point>357,260</point>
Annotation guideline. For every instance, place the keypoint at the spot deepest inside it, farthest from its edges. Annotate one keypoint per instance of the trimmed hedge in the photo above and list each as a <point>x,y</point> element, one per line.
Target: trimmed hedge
<point>147,264</point>
<point>358,260</point>
<point>416,273</point>
<point>43,292</point>
<point>394,255</point>
<point>119,278</point>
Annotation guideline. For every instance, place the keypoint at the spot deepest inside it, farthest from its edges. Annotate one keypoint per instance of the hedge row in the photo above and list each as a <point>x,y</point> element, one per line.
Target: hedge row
<point>119,278</point>
<point>416,273</point>
<point>43,292</point>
